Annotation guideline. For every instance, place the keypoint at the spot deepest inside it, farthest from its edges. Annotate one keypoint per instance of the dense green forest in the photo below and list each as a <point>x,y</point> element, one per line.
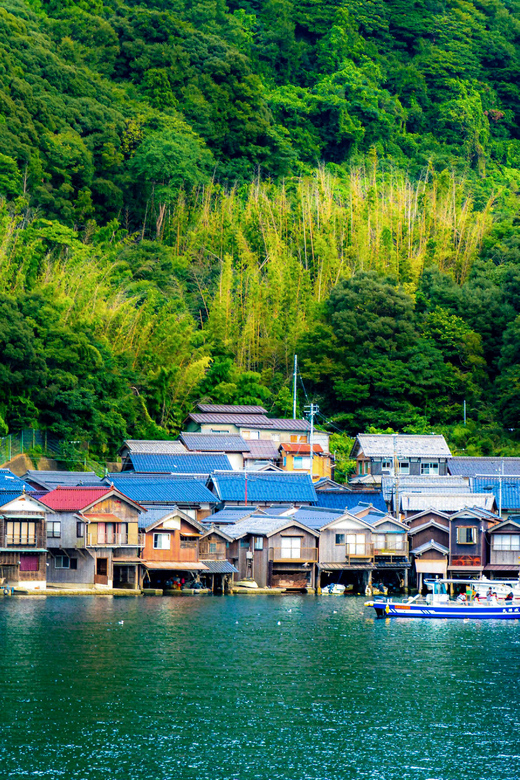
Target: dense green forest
<point>192,191</point>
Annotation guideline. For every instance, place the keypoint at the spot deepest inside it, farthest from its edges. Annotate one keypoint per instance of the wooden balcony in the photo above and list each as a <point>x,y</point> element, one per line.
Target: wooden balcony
<point>212,552</point>
<point>301,555</point>
<point>38,541</point>
<point>359,553</point>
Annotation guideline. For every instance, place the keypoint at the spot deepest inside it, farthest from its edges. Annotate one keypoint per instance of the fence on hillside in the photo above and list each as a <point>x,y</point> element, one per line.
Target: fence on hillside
<point>74,455</point>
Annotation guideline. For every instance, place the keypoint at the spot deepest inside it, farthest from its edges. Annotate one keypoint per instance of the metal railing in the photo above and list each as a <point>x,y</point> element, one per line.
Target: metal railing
<point>305,554</point>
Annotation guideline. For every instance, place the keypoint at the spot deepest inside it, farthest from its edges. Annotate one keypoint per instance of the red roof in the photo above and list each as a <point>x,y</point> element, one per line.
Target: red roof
<point>72,499</point>
<point>301,449</point>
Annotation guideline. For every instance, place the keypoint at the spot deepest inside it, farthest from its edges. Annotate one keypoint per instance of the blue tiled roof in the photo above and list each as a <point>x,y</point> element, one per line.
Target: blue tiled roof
<point>182,464</point>
<point>230,514</point>
<point>334,500</point>
<point>510,490</point>
<point>175,491</point>
<point>10,482</point>
<point>316,517</point>
<point>265,487</point>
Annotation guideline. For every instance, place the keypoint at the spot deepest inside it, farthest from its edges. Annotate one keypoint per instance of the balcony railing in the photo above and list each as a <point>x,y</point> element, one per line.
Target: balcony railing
<point>112,540</point>
<point>392,548</point>
<point>208,554</point>
<point>359,553</point>
<point>24,540</point>
<point>295,555</point>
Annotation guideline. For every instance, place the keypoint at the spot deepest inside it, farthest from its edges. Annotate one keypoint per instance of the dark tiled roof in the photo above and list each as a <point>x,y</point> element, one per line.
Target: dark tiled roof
<point>190,463</point>
<point>174,491</point>
<point>262,450</point>
<point>214,442</point>
<point>251,421</point>
<point>220,567</point>
<point>53,479</point>
<point>335,500</point>
<point>231,409</point>
<point>471,467</point>
<point>278,487</point>
<point>230,514</point>
<point>150,446</point>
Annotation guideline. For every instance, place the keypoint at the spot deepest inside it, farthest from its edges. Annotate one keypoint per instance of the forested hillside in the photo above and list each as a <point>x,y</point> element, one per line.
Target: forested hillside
<point>194,190</point>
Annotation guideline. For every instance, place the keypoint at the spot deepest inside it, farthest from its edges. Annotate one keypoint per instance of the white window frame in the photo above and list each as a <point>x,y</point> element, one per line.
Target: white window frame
<point>342,536</point>
<point>258,543</point>
<point>506,542</point>
<point>430,468</point>
<point>291,547</point>
<point>356,544</point>
<point>305,463</point>
<point>158,540</point>
<point>404,467</point>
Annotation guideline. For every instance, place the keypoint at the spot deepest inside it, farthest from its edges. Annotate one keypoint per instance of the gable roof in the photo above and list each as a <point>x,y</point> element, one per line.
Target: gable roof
<point>150,446</point>
<point>472,467</point>
<point>381,445</point>
<point>187,463</point>
<point>218,531</point>
<point>334,499</point>
<point>214,442</point>
<point>10,482</point>
<point>231,514</point>
<point>170,491</point>
<point>48,480</point>
<point>426,512</point>
<point>265,526</point>
<point>346,515</point>
<point>73,499</point>
<point>284,487</point>
<point>7,498</point>
<point>504,524</point>
<point>428,524</point>
<point>149,524</point>
<point>431,545</point>
<point>316,517</point>
<point>231,408</point>
<point>250,420</point>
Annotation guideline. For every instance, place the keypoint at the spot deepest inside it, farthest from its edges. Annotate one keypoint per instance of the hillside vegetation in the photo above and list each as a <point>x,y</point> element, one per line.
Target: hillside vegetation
<point>194,191</point>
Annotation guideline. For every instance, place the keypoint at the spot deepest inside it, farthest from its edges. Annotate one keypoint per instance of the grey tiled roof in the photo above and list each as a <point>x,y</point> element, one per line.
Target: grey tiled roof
<point>219,567</point>
<point>263,450</point>
<point>437,485</point>
<point>255,421</point>
<point>230,514</point>
<point>406,445</point>
<point>471,467</point>
<point>214,442</point>
<point>231,409</point>
<point>155,447</point>
<point>453,502</point>
<point>52,479</point>
<point>259,526</point>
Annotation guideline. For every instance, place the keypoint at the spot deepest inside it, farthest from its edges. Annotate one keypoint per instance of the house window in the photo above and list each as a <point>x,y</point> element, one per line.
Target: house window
<point>467,534</point>
<point>212,547</point>
<point>250,434</point>
<point>506,542</point>
<point>259,542</point>
<point>275,437</point>
<point>53,529</point>
<point>161,541</point>
<point>244,543</point>
<point>339,539</point>
<point>79,530</point>
<point>64,562</point>
<point>291,547</point>
<point>356,544</point>
<point>404,467</point>
<point>19,532</point>
<point>301,463</point>
<point>386,465</point>
<point>430,467</point>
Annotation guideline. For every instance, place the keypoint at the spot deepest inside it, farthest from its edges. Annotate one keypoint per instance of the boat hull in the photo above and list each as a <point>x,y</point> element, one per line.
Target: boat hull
<point>445,611</point>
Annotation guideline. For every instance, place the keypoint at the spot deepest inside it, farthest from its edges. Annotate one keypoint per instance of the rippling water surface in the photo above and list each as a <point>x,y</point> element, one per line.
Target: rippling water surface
<point>253,688</point>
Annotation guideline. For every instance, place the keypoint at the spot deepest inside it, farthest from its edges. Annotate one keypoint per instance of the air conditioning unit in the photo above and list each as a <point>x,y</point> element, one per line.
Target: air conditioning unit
<point>249,555</point>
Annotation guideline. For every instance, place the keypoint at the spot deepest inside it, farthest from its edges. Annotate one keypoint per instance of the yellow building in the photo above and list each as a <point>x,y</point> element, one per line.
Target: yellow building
<point>296,456</point>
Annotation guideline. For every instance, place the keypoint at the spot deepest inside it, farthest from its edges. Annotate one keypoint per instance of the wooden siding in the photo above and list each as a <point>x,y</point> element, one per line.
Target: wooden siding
<point>421,537</point>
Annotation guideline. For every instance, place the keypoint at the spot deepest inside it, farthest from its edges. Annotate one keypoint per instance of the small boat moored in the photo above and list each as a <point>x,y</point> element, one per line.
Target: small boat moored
<point>438,605</point>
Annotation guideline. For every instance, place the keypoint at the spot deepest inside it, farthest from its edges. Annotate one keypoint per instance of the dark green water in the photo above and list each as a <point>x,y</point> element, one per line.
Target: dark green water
<point>215,689</point>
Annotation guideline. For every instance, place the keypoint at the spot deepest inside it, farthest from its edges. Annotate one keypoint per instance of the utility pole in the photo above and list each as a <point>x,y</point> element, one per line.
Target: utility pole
<point>311,410</point>
<point>464,411</point>
<point>295,376</point>
<point>396,476</point>
<point>500,490</point>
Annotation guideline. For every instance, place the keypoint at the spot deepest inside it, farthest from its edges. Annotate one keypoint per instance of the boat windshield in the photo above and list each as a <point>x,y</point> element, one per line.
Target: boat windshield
<point>439,588</point>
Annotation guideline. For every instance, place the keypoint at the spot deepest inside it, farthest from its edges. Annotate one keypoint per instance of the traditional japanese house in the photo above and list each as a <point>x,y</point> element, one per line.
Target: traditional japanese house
<point>171,548</point>
<point>93,538</point>
<point>49,480</point>
<point>137,447</point>
<point>429,534</point>
<point>213,552</point>
<point>234,447</point>
<point>400,454</point>
<point>274,551</point>
<point>346,554</point>
<point>296,456</point>
<point>468,532</point>
<point>23,551</point>
<point>504,549</point>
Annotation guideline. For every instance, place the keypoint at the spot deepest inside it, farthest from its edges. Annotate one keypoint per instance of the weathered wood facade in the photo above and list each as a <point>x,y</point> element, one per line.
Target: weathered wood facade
<point>23,553</point>
<point>171,549</point>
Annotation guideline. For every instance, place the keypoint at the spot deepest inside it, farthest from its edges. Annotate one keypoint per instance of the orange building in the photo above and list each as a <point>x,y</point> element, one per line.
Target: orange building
<point>171,547</point>
<point>297,457</point>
